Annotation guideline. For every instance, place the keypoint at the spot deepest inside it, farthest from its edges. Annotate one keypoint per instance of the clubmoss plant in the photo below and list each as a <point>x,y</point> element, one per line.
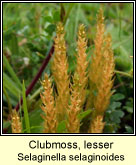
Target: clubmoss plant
<point>60,73</point>
<point>73,123</point>
<point>78,88</point>
<point>97,125</point>
<point>68,99</point>
<point>80,77</point>
<point>95,69</point>
<point>101,75</point>
<point>50,119</point>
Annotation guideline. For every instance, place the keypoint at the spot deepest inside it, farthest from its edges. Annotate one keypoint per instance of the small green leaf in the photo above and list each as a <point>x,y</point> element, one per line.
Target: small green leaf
<point>129,129</point>
<point>48,19</point>
<point>56,16</point>
<point>118,96</point>
<point>84,114</point>
<point>50,29</point>
<point>115,105</point>
<point>129,105</point>
<point>129,109</point>
<point>116,115</point>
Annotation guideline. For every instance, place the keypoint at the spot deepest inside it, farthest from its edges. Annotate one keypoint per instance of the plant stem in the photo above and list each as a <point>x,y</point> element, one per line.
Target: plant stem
<point>123,73</point>
<point>26,115</point>
<point>36,93</point>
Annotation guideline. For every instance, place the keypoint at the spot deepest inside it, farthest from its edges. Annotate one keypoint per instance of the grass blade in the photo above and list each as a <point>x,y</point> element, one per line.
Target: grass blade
<point>11,71</point>
<point>8,100</point>
<point>10,85</point>
<point>26,116</point>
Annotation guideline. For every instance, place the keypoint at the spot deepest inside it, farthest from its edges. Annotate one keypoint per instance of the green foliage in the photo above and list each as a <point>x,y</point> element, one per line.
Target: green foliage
<point>10,85</point>
<point>11,71</point>
<point>129,105</point>
<point>114,114</point>
<point>28,35</point>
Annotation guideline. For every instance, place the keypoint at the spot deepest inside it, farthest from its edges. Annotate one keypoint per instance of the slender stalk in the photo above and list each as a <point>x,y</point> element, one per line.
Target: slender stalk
<point>123,73</point>
<point>26,116</point>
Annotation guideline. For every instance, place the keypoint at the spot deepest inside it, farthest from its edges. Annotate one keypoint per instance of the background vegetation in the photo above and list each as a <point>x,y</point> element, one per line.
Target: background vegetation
<point>28,32</point>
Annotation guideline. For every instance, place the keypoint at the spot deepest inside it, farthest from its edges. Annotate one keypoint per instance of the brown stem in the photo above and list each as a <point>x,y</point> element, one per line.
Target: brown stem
<point>30,87</point>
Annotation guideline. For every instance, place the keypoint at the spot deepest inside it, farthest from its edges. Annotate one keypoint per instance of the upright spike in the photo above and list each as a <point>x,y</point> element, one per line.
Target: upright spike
<point>60,73</point>
<point>48,106</point>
